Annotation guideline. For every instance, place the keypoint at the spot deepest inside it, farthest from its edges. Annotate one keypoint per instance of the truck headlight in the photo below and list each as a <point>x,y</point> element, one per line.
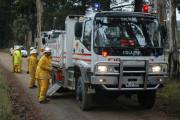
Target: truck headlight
<point>102,69</point>
<point>158,68</point>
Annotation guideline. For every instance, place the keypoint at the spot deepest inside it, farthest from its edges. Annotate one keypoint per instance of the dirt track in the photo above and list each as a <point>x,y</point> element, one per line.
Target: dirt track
<point>65,107</point>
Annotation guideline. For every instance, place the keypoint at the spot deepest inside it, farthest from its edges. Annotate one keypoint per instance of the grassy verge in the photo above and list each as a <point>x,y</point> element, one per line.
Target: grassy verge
<point>5,103</point>
<point>170,97</point>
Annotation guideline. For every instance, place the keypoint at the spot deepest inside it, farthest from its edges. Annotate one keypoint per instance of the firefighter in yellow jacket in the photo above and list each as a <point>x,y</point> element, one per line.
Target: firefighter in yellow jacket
<point>43,74</point>
<point>33,61</point>
<point>17,60</point>
<point>28,58</point>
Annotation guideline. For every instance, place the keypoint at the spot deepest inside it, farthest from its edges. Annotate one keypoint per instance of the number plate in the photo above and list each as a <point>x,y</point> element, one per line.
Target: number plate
<point>132,84</point>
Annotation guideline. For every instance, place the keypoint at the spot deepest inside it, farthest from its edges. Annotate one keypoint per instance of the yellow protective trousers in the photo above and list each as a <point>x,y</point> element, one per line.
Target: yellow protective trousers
<point>28,59</point>
<point>17,68</point>
<point>17,61</point>
<point>43,86</point>
<point>32,69</point>
<point>32,79</point>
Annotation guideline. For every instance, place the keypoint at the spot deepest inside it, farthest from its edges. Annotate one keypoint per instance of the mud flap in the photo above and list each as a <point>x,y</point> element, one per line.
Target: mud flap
<point>55,87</point>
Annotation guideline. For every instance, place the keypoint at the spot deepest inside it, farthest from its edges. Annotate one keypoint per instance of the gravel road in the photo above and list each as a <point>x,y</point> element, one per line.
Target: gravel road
<point>65,107</point>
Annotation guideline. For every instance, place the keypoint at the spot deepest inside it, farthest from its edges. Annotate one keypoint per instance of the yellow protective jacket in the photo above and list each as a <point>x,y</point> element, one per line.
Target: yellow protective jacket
<point>17,58</point>
<point>33,61</point>
<point>44,68</point>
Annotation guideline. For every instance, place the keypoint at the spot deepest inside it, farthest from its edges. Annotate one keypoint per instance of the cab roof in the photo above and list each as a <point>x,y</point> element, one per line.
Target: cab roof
<point>124,14</point>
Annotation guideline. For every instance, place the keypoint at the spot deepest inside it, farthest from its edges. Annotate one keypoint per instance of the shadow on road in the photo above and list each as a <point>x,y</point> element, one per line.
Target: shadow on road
<point>121,104</point>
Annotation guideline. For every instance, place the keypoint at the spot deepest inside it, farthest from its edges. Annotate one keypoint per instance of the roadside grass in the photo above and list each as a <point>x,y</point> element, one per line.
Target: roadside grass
<point>5,102</point>
<point>169,97</point>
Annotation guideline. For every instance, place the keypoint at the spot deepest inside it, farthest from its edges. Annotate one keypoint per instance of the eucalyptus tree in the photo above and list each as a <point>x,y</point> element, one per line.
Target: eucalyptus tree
<point>25,21</point>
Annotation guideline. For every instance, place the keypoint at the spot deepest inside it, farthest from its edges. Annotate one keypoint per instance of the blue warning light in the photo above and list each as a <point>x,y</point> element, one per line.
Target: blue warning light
<point>97,5</point>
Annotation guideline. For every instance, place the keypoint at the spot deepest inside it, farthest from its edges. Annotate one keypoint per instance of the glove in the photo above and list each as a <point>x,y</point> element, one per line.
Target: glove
<point>49,68</point>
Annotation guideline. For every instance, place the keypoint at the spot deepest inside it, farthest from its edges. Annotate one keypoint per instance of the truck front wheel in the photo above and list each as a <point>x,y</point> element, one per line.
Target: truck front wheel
<point>82,95</point>
<point>147,99</point>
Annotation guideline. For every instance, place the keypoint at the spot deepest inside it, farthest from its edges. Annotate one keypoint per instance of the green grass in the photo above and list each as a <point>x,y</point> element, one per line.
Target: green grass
<point>170,95</point>
<point>5,104</point>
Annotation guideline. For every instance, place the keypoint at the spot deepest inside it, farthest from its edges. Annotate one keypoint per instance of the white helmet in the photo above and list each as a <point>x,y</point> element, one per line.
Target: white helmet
<point>17,47</point>
<point>47,50</point>
<point>33,51</point>
<point>31,48</point>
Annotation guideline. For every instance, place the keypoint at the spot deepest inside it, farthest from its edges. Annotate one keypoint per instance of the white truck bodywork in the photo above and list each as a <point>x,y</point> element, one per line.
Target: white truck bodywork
<point>77,60</point>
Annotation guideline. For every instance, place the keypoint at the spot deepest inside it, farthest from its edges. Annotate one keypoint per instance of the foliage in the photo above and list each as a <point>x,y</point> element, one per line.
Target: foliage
<point>25,7</point>
<point>20,27</point>
<point>59,9</point>
<point>25,19</point>
<point>6,17</point>
<point>16,12</point>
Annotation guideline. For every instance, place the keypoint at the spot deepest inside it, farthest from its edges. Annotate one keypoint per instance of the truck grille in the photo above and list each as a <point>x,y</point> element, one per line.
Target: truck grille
<point>127,71</point>
<point>133,68</point>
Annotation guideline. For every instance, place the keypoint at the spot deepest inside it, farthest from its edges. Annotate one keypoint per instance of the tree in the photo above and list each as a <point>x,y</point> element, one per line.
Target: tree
<point>6,16</point>
<point>25,12</point>
<point>61,8</point>
<point>174,63</point>
<point>21,28</point>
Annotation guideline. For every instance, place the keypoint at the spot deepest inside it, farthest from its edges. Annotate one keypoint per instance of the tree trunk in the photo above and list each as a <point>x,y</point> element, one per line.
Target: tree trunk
<point>39,17</point>
<point>162,12</point>
<point>39,22</point>
<point>173,56</point>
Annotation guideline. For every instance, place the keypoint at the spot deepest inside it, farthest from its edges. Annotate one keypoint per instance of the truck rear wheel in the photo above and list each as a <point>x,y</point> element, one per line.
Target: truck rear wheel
<point>147,99</point>
<point>84,99</point>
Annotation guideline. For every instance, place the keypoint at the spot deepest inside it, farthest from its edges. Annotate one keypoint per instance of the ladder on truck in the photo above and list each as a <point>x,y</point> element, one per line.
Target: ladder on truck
<point>56,86</point>
<point>52,90</point>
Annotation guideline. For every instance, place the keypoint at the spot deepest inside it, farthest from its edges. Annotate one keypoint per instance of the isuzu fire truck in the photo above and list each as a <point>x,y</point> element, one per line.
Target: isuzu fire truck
<point>110,53</point>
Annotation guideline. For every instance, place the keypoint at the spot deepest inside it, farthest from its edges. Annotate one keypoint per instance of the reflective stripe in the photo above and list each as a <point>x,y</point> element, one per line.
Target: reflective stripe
<point>87,60</point>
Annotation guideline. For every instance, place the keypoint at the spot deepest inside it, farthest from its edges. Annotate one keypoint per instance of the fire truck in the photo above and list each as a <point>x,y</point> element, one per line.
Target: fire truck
<point>111,53</point>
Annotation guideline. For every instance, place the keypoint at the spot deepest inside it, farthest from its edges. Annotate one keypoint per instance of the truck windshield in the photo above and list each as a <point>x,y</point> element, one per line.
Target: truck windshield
<point>127,33</point>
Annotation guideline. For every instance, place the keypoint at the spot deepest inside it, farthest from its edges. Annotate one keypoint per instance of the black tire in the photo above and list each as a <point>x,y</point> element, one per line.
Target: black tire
<point>84,99</point>
<point>147,99</point>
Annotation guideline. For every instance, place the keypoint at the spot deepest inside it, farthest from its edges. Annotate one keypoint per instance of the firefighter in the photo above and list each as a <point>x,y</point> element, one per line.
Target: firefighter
<point>43,74</point>
<point>28,58</point>
<point>17,60</point>
<point>33,61</point>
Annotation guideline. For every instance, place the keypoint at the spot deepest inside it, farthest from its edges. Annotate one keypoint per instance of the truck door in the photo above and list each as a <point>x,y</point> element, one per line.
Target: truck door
<point>83,47</point>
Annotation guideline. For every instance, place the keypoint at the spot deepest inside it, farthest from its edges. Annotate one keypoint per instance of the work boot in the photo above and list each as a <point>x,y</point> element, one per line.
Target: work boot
<point>48,99</point>
<point>34,86</point>
<point>44,101</point>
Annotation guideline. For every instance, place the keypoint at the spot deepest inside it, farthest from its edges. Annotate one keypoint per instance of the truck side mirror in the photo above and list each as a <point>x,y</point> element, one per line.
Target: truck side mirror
<point>78,29</point>
<point>43,41</point>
